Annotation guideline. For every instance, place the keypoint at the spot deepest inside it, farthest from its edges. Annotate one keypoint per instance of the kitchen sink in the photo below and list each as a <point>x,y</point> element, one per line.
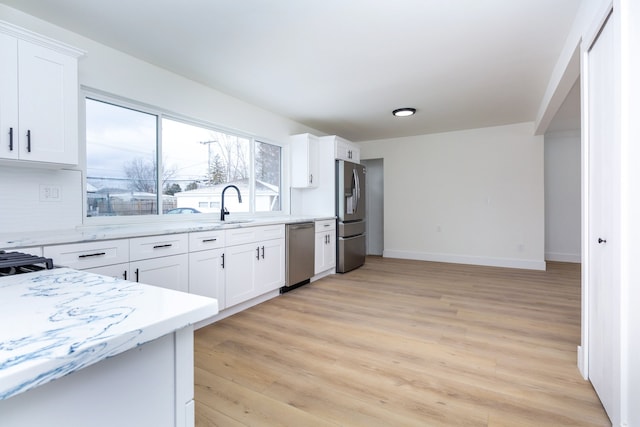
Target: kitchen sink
<point>233,221</point>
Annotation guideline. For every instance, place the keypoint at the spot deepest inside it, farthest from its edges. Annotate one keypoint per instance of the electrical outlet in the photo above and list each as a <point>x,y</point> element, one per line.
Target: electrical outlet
<point>50,193</point>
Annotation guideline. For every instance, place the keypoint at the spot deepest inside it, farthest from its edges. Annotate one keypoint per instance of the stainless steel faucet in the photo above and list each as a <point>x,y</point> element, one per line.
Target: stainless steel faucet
<point>223,210</point>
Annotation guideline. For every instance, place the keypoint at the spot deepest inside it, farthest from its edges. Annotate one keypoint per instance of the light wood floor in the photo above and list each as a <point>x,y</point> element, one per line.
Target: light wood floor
<point>402,343</point>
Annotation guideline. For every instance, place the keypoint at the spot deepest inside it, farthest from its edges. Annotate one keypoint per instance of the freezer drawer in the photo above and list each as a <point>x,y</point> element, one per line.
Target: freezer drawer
<point>351,253</point>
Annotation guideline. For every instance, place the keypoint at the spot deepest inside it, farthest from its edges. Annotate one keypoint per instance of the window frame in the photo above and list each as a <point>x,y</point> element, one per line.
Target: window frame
<point>97,95</point>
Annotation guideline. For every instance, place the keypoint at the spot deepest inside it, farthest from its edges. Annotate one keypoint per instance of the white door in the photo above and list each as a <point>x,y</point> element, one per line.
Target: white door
<point>604,287</point>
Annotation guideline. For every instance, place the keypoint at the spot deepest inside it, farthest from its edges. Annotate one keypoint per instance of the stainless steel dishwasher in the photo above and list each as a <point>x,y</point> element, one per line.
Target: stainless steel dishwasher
<point>300,253</point>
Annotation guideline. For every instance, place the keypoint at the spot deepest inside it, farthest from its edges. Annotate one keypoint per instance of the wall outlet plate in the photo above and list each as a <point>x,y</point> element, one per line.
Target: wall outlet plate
<point>50,193</point>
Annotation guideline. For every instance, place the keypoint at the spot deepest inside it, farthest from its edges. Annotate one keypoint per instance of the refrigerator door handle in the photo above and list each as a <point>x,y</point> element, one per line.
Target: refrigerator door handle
<point>357,189</point>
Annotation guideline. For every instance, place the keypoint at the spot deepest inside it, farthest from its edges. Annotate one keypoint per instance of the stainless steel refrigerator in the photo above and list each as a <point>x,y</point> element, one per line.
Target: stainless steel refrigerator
<point>350,210</point>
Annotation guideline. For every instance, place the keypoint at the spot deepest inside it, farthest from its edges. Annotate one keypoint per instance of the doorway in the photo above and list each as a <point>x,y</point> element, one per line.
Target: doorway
<point>375,206</point>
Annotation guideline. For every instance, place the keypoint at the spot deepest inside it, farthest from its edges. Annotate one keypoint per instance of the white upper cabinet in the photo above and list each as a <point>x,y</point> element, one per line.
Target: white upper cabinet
<point>346,150</point>
<point>38,98</point>
<point>304,161</point>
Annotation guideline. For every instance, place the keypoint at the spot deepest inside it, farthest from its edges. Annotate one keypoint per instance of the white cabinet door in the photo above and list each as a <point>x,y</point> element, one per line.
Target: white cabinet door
<point>84,256</point>
<point>207,274</point>
<point>240,265</point>
<point>171,272</point>
<point>8,97</point>
<point>47,105</point>
<point>320,243</point>
<point>325,246</point>
<point>325,255</point>
<point>346,150</point>
<point>304,161</point>
<point>119,271</point>
<point>270,266</point>
<point>38,99</point>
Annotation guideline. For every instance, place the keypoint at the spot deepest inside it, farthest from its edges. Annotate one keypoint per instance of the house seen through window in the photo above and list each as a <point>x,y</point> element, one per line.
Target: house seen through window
<point>131,154</point>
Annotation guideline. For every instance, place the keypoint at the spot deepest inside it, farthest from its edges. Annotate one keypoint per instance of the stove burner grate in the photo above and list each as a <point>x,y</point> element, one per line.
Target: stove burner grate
<point>17,262</point>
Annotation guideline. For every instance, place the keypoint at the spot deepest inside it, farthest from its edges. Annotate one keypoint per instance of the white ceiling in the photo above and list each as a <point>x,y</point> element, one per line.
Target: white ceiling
<point>342,66</point>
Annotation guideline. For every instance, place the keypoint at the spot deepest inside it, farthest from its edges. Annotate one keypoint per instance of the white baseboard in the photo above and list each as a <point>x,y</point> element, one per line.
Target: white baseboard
<point>561,257</point>
<point>581,364</point>
<point>237,308</point>
<point>465,259</point>
<point>323,274</point>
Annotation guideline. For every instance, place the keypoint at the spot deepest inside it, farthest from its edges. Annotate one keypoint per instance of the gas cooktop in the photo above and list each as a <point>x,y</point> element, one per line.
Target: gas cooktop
<point>17,262</point>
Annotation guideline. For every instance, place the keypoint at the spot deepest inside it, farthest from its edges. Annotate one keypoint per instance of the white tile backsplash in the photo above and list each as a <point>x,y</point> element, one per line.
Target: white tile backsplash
<point>34,199</point>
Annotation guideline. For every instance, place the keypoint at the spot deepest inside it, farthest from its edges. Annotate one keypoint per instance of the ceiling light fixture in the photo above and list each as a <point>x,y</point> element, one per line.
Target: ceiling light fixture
<point>404,112</point>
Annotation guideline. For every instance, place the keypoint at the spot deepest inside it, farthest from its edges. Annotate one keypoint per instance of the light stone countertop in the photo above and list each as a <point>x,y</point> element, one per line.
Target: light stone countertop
<point>62,320</point>
<point>123,231</point>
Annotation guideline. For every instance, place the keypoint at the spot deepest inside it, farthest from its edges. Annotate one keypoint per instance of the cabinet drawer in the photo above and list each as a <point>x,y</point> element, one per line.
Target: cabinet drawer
<point>325,225</point>
<point>239,236</point>
<point>89,255</point>
<point>158,246</point>
<point>203,240</point>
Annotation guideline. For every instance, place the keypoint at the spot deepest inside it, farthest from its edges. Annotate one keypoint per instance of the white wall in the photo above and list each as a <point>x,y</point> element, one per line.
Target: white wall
<point>474,196</point>
<point>117,73</point>
<point>562,196</point>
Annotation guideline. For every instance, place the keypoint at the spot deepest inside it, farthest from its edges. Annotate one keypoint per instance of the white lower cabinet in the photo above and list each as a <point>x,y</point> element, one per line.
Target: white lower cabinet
<point>270,267</point>
<point>207,265</point>
<point>106,257</point>
<point>254,268</point>
<point>325,247</point>
<point>119,271</point>
<point>207,275</point>
<point>160,261</point>
<point>171,272</point>
<point>241,264</point>
<point>232,266</point>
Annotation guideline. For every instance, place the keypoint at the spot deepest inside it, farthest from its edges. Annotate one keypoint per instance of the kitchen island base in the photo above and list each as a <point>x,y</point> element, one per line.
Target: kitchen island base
<point>149,385</point>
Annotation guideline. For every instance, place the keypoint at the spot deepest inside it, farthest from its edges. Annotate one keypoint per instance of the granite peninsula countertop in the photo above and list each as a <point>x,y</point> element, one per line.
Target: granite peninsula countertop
<point>62,320</point>
<point>123,231</point>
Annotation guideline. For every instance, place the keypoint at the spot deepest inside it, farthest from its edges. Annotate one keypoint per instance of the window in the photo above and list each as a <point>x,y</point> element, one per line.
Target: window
<point>267,184</point>
<point>195,164</point>
<point>121,160</point>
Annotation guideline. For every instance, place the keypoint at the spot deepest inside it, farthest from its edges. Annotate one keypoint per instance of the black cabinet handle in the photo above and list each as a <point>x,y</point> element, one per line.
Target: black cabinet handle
<point>263,252</point>
<point>124,275</point>
<point>601,240</point>
<point>258,253</point>
<point>29,141</point>
<point>168,245</point>
<point>208,240</point>
<point>137,275</point>
<point>10,139</point>
<point>92,255</point>
<point>222,260</point>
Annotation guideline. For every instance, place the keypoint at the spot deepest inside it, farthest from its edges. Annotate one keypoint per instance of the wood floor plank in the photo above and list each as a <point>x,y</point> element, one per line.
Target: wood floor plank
<point>403,343</point>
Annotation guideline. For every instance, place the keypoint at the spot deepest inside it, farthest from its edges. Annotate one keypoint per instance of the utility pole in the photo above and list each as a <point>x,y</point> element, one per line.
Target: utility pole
<point>208,144</point>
